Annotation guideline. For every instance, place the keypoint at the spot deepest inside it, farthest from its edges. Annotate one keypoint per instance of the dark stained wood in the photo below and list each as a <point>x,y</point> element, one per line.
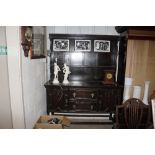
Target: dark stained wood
<point>88,66</point>
<point>133,114</point>
<point>140,32</point>
<point>82,36</point>
<point>83,97</point>
<point>86,92</point>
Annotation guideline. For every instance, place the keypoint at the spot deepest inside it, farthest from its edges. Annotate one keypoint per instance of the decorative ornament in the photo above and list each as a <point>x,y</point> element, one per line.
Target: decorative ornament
<point>56,70</point>
<point>146,90</point>
<point>26,40</point>
<point>137,92</point>
<point>127,88</point>
<point>66,72</point>
<point>108,77</point>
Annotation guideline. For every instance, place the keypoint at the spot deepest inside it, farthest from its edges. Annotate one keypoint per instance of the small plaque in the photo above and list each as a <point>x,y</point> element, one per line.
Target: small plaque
<point>109,77</point>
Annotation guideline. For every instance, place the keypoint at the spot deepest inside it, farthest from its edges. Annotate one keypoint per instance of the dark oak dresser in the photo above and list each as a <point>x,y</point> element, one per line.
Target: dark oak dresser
<point>97,65</point>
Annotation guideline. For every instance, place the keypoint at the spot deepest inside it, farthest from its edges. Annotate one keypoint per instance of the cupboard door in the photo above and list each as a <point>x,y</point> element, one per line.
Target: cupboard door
<point>54,99</point>
<point>109,98</point>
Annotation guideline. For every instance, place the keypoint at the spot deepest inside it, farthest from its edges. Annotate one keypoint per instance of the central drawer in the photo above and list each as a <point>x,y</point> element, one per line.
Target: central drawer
<point>83,93</point>
<point>83,99</point>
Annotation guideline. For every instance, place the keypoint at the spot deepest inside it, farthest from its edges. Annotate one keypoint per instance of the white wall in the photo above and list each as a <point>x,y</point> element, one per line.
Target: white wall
<point>34,92</point>
<point>15,78</point>
<point>27,78</point>
<point>5,107</point>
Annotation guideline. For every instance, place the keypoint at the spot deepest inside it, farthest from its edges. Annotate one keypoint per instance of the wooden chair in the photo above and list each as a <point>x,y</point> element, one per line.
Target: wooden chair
<point>132,114</point>
<point>153,111</point>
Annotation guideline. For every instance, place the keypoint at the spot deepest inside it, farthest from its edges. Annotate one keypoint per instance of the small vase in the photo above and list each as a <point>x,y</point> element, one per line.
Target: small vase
<point>127,92</point>
<point>137,92</point>
<point>146,90</point>
<point>152,95</point>
<point>128,81</point>
<point>127,88</point>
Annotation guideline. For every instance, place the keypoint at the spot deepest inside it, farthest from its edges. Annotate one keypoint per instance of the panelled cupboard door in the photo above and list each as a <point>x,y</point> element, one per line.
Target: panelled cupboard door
<point>109,98</point>
<point>54,100</point>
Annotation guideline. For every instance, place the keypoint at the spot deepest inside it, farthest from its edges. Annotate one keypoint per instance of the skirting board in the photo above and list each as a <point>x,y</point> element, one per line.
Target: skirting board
<point>83,114</point>
<point>88,118</point>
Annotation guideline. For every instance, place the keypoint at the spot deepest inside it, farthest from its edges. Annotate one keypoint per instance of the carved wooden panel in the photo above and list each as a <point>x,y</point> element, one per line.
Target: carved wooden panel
<point>97,98</point>
<point>85,65</point>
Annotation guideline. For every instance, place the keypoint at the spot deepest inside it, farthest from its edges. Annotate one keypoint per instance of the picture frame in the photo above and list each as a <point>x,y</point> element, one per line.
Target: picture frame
<point>82,45</point>
<point>101,46</point>
<point>60,44</point>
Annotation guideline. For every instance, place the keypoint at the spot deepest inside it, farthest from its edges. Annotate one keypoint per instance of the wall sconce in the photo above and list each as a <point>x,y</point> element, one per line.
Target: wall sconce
<point>26,37</point>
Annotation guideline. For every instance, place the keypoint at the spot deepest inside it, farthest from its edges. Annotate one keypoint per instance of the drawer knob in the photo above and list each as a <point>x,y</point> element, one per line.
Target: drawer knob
<point>74,95</point>
<point>92,95</point>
